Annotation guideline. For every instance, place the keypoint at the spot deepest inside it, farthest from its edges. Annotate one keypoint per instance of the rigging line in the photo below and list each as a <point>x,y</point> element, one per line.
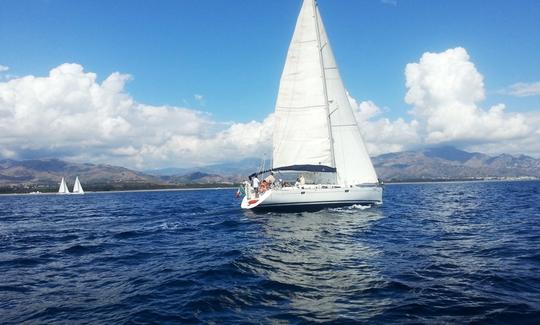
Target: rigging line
<point>342,125</point>
<point>286,108</point>
<point>306,41</point>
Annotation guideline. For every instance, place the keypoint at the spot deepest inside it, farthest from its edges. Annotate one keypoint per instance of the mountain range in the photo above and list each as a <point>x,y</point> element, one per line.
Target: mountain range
<point>45,175</point>
<point>444,163</point>
<point>437,163</point>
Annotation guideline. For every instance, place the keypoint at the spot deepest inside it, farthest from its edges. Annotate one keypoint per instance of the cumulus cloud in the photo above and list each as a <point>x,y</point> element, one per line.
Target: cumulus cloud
<point>445,89</point>
<point>3,68</point>
<point>522,89</point>
<point>69,114</point>
<point>381,134</point>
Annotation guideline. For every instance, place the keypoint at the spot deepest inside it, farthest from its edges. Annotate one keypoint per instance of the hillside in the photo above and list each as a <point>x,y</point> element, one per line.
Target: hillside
<point>442,163</point>
<point>439,163</point>
<point>46,174</point>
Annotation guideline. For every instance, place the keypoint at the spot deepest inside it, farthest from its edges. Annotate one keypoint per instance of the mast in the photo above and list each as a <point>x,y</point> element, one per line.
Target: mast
<point>323,73</point>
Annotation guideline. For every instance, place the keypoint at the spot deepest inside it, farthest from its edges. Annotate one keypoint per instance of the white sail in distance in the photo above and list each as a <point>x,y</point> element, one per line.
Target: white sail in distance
<point>315,124</point>
<point>77,188</point>
<point>63,187</point>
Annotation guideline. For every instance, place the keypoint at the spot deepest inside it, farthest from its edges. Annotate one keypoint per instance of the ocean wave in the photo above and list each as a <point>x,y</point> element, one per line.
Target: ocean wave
<point>433,253</point>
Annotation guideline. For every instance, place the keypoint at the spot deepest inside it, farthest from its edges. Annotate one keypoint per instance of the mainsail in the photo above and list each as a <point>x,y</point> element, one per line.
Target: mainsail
<point>301,132</point>
<point>314,121</point>
<point>63,187</point>
<point>77,188</point>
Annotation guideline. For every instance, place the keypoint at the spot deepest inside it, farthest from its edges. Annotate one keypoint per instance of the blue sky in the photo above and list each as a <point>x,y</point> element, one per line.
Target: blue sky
<point>232,52</point>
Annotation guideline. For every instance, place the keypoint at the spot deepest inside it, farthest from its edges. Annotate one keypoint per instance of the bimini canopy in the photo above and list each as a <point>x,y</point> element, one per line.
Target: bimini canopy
<point>300,168</point>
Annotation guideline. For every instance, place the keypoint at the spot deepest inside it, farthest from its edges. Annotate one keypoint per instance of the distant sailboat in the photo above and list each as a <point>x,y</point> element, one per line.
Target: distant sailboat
<point>63,187</point>
<point>77,188</point>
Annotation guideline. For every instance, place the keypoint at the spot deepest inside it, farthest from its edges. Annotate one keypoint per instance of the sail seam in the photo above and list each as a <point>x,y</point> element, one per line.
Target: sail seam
<point>299,107</point>
<point>308,41</point>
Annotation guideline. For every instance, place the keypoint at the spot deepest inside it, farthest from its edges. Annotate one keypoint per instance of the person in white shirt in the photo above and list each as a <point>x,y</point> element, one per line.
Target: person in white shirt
<point>255,184</point>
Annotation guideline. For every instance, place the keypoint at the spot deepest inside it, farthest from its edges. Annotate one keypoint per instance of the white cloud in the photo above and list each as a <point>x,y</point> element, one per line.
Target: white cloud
<point>200,99</point>
<point>444,89</point>
<point>68,114</point>
<point>3,75</point>
<point>381,134</point>
<point>522,89</point>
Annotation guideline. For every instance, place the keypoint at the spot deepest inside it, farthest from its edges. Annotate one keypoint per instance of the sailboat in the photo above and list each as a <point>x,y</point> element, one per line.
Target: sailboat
<point>77,188</point>
<point>63,187</point>
<point>316,136</point>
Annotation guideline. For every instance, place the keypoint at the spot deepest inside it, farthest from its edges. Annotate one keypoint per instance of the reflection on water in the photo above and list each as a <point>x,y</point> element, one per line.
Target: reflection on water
<point>324,256</point>
<point>455,245</point>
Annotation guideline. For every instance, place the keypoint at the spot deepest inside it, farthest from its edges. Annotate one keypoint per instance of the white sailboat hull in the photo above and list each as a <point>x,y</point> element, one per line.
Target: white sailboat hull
<point>314,197</point>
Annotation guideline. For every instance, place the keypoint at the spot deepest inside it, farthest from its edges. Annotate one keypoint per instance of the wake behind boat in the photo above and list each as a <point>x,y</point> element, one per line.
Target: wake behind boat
<point>316,138</point>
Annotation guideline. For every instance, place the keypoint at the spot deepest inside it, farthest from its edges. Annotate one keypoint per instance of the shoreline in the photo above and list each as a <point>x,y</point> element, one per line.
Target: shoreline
<point>236,186</point>
<point>126,191</point>
<point>461,181</point>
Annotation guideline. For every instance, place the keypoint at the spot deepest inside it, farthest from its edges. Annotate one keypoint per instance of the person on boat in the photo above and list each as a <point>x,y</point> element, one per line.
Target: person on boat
<point>264,186</point>
<point>302,180</point>
<point>255,184</point>
<point>270,179</point>
<point>242,189</point>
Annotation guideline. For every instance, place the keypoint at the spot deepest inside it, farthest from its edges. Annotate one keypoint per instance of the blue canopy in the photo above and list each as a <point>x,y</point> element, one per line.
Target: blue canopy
<point>300,168</point>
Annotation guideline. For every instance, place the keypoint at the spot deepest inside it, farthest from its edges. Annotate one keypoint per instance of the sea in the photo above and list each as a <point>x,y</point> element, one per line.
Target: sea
<point>433,253</point>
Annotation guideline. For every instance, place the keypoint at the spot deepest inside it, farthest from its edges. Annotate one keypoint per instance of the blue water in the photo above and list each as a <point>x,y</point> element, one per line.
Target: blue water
<point>434,253</point>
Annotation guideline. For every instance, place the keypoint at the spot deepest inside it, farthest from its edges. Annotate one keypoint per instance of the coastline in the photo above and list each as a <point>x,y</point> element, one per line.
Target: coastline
<point>435,181</point>
<point>128,191</point>
<point>229,187</point>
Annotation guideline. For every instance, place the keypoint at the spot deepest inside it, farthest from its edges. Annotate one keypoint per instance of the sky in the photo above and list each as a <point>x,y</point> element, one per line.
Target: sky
<point>151,84</point>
